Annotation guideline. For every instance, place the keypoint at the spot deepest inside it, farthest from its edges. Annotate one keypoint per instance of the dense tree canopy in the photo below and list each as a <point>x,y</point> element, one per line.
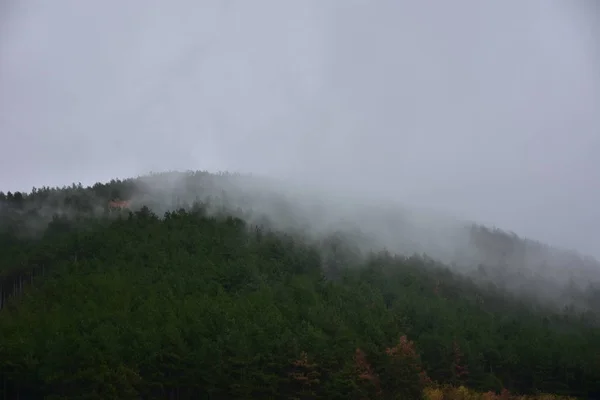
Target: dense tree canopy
<point>199,303</point>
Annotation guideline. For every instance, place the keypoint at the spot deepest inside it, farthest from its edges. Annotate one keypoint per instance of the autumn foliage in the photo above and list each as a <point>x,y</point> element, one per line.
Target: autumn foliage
<point>459,369</point>
<point>368,379</point>
<point>462,393</point>
<point>304,378</point>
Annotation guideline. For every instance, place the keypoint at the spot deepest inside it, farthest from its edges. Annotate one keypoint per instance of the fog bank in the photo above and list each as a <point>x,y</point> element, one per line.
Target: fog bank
<point>484,110</point>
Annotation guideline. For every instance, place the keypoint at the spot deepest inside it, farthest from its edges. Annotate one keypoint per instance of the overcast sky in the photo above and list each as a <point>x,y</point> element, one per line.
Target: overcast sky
<point>487,109</point>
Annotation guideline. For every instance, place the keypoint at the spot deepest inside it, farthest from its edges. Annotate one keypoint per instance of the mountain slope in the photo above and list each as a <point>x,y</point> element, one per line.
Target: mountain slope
<point>522,266</point>
<point>200,304</point>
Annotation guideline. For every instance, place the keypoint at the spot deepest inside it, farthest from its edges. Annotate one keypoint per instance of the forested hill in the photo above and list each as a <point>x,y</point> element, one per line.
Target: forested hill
<point>195,285</point>
<point>524,267</point>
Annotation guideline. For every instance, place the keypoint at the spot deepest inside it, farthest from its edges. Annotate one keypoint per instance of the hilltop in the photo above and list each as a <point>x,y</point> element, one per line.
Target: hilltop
<point>199,285</point>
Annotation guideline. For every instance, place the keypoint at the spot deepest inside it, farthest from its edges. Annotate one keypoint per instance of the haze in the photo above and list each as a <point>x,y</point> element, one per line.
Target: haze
<point>486,110</point>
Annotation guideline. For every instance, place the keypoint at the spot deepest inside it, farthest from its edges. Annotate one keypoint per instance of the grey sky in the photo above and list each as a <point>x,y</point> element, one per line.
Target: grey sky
<point>487,109</point>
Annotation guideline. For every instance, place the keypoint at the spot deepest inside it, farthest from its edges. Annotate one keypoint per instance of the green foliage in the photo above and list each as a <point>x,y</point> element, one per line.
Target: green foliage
<point>194,304</point>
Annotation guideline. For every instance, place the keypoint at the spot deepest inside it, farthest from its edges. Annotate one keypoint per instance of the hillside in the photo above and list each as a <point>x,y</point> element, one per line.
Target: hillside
<point>488,255</point>
<point>227,286</point>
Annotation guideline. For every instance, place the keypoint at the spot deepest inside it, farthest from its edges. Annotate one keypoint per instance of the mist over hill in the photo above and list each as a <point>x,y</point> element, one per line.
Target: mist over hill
<point>143,285</point>
<point>420,222</point>
<point>533,270</point>
<point>485,111</point>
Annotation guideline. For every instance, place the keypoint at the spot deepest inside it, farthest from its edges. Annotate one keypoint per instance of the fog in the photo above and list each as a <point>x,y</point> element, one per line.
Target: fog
<point>488,111</point>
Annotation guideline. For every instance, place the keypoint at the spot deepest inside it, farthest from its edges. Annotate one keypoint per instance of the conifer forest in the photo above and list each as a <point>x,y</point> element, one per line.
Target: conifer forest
<point>194,285</point>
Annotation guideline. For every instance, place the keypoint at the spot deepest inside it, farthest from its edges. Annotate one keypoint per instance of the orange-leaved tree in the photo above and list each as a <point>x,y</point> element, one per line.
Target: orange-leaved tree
<point>403,376</point>
<point>368,380</point>
<point>304,378</point>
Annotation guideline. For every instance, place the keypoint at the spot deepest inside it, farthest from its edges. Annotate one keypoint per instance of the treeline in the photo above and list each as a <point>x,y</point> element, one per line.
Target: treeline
<point>195,305</point>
